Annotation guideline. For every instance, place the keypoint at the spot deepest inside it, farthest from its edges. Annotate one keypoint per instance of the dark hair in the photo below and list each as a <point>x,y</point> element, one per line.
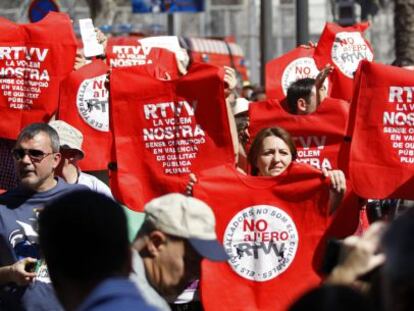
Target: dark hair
<point>331,297</point>
<point>301,88</point>
<point>83,236</point>
<point>257,145</point>
<point>33,129</point>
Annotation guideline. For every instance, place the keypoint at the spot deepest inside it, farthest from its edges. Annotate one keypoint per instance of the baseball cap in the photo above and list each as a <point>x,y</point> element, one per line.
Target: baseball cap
<point>188,218</point>
<point>241,105</point>
<point>69,137</point>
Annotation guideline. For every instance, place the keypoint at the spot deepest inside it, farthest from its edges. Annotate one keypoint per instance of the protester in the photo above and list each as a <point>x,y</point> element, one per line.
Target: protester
<point>305,95</point>
<point>273,150</point>
<point>36,156</point>
<point>240,110</point>
<point>258,94</point>
<point>71,150</point>
<point>83,236</point>
<point>177,233</point>
<point>247,90</point>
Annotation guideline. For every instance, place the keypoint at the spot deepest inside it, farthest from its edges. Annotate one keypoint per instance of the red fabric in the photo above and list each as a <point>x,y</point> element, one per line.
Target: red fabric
<point>300,196</point>
<point>343,47</point>
<point>381,124</point>
<point>127,51</point>
<point>157,148</point>
<point>294,65</point>
<point>84,104</point>
<point>318,136</point>
<point>33,60</point>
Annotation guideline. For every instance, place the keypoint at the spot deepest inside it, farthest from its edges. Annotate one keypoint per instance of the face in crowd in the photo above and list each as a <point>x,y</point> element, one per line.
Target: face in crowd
<point>35,161</point>
<point>179,265</point>
<point>271,152</point>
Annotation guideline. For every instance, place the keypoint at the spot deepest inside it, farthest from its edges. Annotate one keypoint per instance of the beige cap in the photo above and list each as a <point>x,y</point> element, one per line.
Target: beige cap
<point>69,136</point>
<point>188,218</point>
<point>241,105</point>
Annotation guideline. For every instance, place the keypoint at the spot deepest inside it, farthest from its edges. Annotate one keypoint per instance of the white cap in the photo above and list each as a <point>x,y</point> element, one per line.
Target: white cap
<point>69,136</point>
<point>188,218</point>
<point>241,105</point>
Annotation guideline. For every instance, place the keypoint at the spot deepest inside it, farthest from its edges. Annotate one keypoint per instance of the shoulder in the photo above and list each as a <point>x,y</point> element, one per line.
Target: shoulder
<point>63,187</point>
<point>94,184</point>
<point>115,294</point>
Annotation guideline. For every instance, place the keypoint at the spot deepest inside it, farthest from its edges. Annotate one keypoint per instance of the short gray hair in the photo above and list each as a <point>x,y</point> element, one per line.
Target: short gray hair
<point>33,129</point>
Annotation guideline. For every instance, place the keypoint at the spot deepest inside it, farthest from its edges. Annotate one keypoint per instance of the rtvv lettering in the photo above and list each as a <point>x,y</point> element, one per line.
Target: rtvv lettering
<point>256,248</point>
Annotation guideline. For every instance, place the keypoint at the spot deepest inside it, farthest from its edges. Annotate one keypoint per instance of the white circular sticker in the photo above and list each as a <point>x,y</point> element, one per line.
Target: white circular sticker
<point>261,242</point>
<point>303,67</point>
<point>348,49</point>
<point>92,103</point>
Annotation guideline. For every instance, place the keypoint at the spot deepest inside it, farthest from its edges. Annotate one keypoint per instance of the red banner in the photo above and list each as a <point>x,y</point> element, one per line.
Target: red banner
<point>166,129</point>
<point>84,104</point>
<point>319,139</point>
<point>294,65</point>
<point>33,60</point>
<point>318,136</point>
<point>271,228</point>
<point>345,48</point>
<point>381,123</point>
<point>128,51</point>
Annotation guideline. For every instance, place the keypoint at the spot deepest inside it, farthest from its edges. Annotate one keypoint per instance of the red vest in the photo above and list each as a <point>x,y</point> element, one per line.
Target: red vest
<point>282,71</point>
<point>166,129</point>
<point>33,60</point>
<point>345,48</point>
<point>271,229</point>
<point>83,103</point>
<point>318,136</point>
<point>381,124</point>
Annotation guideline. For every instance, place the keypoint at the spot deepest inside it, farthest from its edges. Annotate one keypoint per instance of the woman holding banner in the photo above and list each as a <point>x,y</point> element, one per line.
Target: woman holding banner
<point>273,150</point>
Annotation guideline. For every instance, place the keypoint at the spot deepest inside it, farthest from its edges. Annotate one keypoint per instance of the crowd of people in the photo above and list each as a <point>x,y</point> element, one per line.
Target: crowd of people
<point>64,237</point>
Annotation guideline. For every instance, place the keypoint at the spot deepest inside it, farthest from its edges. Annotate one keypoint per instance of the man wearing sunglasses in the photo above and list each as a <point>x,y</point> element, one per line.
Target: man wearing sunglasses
<point>71,140</point>
<point>24,278</point>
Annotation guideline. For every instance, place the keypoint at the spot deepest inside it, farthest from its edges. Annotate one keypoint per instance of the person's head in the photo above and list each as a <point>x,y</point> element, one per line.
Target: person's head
<point>247,90</point>
<point>271,152</point>
<point>177,232</point>
<point>302,97</point>
<point>71,140</point>
<point>259,94</point>
<point>331,297</point>
<point>398,270</point>
<point>83,236</point>
<point>36,155</point>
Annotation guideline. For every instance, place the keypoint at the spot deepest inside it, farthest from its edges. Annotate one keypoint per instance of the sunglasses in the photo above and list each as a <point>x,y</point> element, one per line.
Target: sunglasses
<point>34,154</point>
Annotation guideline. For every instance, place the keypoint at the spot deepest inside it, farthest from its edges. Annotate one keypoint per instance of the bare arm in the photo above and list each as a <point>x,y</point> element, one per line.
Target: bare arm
<point>338,188</point>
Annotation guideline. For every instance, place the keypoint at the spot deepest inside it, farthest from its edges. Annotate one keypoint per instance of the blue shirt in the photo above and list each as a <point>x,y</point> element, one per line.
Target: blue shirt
<point>115,294</point>
<point>19,239</point>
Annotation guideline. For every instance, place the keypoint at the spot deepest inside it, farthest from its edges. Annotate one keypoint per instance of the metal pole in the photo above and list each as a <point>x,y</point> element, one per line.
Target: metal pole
<point>170,22</point>
<point>265,36</point>
<point>302,22</point>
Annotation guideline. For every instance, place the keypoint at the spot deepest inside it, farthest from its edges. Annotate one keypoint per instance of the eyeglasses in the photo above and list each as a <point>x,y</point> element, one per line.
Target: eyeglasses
<point>34,154</point>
